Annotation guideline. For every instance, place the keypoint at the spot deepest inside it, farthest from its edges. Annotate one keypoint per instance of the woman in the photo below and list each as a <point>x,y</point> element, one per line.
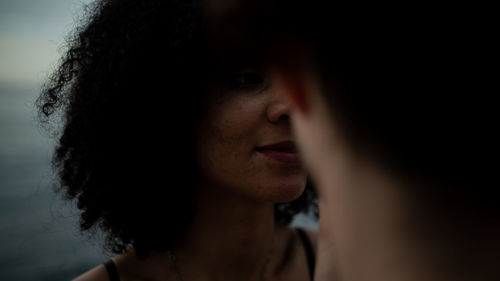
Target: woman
<point>180,158</point>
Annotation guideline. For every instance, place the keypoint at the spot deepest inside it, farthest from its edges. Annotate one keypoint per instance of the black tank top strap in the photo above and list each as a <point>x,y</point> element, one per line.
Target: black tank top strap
<point>311,260</point>
<point>112,271</point>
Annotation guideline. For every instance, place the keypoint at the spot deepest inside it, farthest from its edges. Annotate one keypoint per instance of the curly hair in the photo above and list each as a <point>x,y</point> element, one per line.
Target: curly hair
<point>119,86</point>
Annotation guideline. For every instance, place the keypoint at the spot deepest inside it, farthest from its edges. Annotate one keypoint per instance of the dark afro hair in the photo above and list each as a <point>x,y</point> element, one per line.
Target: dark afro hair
<point>129,89</point>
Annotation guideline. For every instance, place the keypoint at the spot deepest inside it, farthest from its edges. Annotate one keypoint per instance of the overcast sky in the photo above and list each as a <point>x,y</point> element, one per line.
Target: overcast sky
<point>31,33</point>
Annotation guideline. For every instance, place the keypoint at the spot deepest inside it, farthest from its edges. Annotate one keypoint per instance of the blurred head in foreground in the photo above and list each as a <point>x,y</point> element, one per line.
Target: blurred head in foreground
<point>392,108</point>
<point>151,120</point>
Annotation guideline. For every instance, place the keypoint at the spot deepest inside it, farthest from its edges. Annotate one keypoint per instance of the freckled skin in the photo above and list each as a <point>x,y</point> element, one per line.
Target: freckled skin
<point>236,192</point>
<point>234,124</point>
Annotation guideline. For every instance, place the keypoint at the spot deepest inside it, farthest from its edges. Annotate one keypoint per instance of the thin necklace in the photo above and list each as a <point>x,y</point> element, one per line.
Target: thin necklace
<point>173,261</point>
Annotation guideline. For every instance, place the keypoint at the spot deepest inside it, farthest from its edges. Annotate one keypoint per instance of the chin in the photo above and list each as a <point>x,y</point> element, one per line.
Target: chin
<point>287,191</point>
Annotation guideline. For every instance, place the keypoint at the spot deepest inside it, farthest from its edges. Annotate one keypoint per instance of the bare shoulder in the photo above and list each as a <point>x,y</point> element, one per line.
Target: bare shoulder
<point>97,273</point>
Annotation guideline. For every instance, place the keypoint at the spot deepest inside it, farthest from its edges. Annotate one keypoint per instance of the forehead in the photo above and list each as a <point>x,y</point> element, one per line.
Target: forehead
<point>240,31</point>
<point>225,8</point>
<point>216,8</point>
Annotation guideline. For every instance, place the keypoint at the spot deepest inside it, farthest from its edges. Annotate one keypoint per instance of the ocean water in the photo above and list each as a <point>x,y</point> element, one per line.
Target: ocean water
<point>39,237</point>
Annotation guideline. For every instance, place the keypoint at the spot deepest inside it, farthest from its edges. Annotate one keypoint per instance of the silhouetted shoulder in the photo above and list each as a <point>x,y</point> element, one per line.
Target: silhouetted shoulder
<point>97,273</point>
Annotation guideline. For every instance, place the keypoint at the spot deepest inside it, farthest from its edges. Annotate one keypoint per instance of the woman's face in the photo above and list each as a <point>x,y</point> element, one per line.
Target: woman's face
<point>245,142</point>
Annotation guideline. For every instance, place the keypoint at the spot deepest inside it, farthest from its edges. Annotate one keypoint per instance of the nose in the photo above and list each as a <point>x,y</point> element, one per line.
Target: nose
<point>278,110</point>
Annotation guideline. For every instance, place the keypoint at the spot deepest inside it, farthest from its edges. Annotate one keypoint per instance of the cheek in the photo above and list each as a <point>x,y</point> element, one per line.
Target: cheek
<point>224,156</point>
<point>229,135</point>
<point>227,158</point>
<point>229,164</point>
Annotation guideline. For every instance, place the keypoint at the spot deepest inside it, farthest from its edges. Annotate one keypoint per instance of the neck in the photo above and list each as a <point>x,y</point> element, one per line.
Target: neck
<point>229,237</point>
<point>373,229</point>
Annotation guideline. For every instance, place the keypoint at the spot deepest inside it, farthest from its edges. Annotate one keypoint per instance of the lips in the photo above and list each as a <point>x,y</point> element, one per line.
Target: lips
<point>286,146</point>
<point>282,152</point>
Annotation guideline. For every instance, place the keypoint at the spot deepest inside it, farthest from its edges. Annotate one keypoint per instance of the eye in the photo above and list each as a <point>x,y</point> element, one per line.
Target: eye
<point>249,80</point>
